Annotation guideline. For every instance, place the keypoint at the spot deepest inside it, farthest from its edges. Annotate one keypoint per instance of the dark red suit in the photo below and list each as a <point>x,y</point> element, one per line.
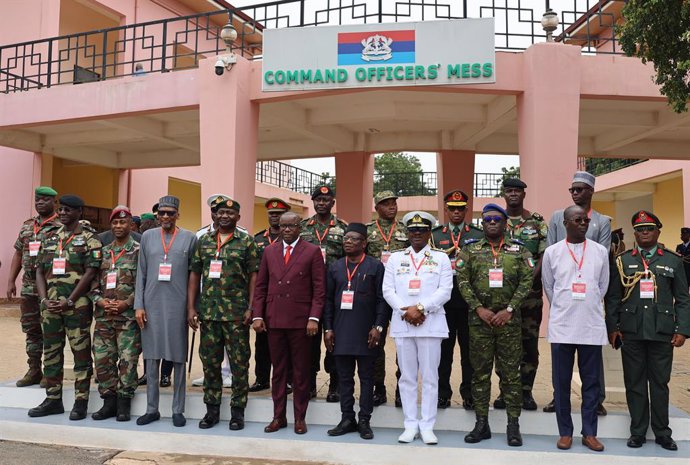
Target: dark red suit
<point>286,296</point>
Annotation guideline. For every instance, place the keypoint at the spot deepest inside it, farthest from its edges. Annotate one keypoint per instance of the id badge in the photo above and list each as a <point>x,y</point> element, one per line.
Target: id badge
<point>414,286</point>
<point>452,265</point>
<point>323,253</point>
<point>646,289</point>
<point>34,247</point>
<point>579,290</point>
<point>347,300</point>
<point>59,265</point>
<point>111,280</point>
<point>164,272</point>
<point>496,278</point>
<point>385,255</point>
<point>215,268</point>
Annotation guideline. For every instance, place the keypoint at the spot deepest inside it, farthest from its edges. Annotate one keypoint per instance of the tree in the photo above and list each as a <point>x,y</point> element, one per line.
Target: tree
<point>659,31</point>
<point>401,174</point>
<point>512,172</point>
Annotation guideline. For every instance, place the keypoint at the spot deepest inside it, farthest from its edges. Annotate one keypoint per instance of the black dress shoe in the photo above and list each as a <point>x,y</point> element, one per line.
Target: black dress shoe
<point>601,410</point>
<point>332,397</point>
<point>147,418</point>
<point>500,403</point>
<point>443,402</point>
<point>380,397</point>
<point>398,401</point>
<point>667,442</point>
<point>468,404</point>
<point>348,425</point>
<point>550,407</point>
<point>47,407</point>
<point>288,389</point>
<point>364,429</point>
<point>636,441</point>
<point>142,380</point>
<point>179,420</point>
<point>165,381</point>
<point>259,386</point>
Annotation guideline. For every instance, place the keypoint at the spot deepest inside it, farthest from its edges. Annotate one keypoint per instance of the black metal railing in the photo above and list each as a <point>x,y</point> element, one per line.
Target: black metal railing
<point>599,166</point>
<point>488,184</point>
<point>406,184</point>
<point>179,43</point>
<point>289,177</point>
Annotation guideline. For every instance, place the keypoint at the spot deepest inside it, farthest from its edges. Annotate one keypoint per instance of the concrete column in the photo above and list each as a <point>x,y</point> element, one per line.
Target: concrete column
<point>37,171</point>
<point>548,121</point>
<point>354,173</point>
<point>686,196</point>
<point>229,123</point>
<point>455,170</point>
<point>123,188</point>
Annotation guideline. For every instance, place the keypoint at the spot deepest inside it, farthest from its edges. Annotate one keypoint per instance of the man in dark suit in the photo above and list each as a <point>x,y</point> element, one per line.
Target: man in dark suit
<point>353,323</point>
<point>683,249</point>
<point>289,297</point>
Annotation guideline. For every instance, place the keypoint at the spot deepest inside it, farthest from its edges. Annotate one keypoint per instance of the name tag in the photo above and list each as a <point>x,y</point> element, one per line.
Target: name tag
<point>111,280</point>
<point>496,277</point>
<point>34,247</point>
<point>414,285</point>
<point>646,289</point>
<point>323,253</point>
<point>59,265</point>
<point>164,272</point>
<point>215,269</point>
<point>452,265</point>
<point>385,255</point>
<point>347,300</point>
<point>579,290</point>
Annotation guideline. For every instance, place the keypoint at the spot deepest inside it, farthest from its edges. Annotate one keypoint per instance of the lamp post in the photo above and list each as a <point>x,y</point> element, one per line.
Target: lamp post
<point>229,35</point>
<point>549,22</point>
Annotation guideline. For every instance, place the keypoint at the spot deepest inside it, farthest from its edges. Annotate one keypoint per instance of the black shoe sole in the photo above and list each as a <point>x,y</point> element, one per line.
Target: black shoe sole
<point>45,414</point>
<point>475,441</point>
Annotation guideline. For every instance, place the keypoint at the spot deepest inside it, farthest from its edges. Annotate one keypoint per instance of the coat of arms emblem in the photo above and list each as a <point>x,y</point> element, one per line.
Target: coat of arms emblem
<point>377,48</point>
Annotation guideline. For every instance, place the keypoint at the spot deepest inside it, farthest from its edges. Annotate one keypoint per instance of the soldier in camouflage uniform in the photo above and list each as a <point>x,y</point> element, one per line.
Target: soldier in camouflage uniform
<point>384,236</point>
<point>116,335</point>
<point>494,278</point>
<point>262,355</point>
<point>227,261</point>
<point>68,263</point>
<point>531,230</point>
<point>26,250</point>
<point>326,231</point>
<point>450,238</point>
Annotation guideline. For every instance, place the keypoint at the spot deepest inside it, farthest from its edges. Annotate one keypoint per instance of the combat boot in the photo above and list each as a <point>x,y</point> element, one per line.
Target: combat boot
<point>109,409</point>
<point>124,405</point>
<point>211,418</point>
<point>513,432</point>
<point>33,376</point>
<point>481,431</point>
<point>79,409</point>
<point>47,407</point>
<point>236,418</point>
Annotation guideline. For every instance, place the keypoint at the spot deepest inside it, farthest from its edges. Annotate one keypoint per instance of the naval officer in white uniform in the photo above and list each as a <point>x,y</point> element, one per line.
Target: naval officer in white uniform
<point>416,284</point>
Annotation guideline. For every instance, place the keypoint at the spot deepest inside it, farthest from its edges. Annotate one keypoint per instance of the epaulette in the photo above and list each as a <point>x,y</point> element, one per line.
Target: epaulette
<point>470,241</point>
<point>473,226</point>
<point>537,216</point>
<point>517,241</point>
<point>440,226</point>
<point>261,233</point>
<point>671,251</point>
<point>371,223</point>
<point>624,252</point>
<point>438,250</point>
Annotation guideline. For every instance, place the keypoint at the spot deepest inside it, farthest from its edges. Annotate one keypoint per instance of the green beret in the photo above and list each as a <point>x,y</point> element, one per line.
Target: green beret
<point>148,216</point>
<point>45,190</point>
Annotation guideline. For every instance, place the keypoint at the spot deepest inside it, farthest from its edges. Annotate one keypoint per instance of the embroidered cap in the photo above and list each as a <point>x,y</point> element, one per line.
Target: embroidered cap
<point>645,218</point>
<point>456,198</point>
<point>322,190</point>
<point>274,204</point>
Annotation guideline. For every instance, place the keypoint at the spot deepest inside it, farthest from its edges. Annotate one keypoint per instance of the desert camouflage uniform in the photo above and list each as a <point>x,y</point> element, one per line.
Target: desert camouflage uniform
<point>32,230</point>
<point>83,251</point>
<point>487,342</point>
<point>222,306</point>
<point>117,338</point>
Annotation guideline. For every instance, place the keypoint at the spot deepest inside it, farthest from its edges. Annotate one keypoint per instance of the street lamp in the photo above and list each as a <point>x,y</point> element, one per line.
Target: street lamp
<point>549,22</point>
<point>229,35</point>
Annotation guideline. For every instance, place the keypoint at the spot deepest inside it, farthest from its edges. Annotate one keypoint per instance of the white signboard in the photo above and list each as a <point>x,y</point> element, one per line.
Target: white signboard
<point>379,55</point>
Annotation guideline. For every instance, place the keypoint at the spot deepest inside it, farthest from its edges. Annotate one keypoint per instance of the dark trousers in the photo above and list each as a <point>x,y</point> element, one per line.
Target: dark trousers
<point>458,329</point>
<point>290,347</point>
<point>589,363</point>
<point>345,365</point>
<point>262,358</point>
<point>328,362</point>
<point>647,372</point>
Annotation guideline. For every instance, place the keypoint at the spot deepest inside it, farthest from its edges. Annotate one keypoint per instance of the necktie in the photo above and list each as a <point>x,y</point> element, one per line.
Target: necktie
<point>456,230</point>
<point>287,254</point>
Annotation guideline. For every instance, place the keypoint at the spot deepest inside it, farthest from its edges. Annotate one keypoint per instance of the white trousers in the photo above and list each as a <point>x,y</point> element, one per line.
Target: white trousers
<point>419,356</point>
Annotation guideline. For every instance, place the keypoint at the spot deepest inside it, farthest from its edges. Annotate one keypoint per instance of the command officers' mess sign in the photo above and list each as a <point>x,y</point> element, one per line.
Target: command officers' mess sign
<point>379,55</point>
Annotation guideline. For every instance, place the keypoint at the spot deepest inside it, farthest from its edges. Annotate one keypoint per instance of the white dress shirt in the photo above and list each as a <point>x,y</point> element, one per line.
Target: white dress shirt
<point>292,245</point>
<point>576,321</point>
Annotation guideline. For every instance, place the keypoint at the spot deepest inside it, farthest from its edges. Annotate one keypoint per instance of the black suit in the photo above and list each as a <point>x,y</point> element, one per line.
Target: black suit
<point>684,252</point>
<point>351,329</point>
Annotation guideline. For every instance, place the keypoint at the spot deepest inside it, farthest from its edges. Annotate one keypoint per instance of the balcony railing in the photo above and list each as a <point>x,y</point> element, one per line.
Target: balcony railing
<point>179,43</point>
<point>599,166</point>
<point>289,177</point>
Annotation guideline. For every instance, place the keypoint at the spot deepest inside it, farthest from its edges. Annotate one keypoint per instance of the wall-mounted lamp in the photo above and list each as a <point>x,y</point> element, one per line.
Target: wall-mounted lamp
<point>549,22</point>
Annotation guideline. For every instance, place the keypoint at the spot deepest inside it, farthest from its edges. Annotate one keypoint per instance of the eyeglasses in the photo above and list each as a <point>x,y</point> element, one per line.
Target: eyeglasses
<point>415,230</point>
<point>460,209</point>
<point>577,190</point>
<point>579,220</point>
<point>352,239</point>
<point>648,228</point>
<point>170,213</point>
<point>289,226</point>
<point>492,218</point>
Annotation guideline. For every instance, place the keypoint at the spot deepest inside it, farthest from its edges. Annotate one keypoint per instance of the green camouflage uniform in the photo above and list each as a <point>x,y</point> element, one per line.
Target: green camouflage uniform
<point>531,231</point>
<point>488,342</point>
<point>30,309</point>
<point>117,338</point>
<point>263,239</point>
<point>83,251</point>
<point>222,306</point>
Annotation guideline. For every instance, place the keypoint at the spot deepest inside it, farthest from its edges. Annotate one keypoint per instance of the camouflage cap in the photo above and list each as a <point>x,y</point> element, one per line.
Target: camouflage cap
<point>385,195</point>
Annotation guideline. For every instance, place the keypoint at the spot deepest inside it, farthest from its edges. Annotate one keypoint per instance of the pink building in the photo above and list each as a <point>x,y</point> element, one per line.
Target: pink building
<point>128,136</point>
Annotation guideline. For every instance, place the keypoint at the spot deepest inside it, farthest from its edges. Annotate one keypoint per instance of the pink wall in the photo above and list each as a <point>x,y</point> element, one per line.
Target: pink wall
<point>355,173</point>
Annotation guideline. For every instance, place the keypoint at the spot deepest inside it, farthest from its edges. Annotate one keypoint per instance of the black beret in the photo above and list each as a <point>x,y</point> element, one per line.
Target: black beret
<point>322,190</point>
<point>72,201</point>
<point>685,230</point>
<point>359,228</point>
<point>514,182</point>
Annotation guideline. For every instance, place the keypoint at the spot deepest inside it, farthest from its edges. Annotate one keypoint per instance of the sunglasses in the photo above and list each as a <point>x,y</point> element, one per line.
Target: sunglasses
<point>492,218</point>
<point>414,230</point>
<point>577,190</point>
<point>649,228</point>
<point>453,209</point>
<point>170,213</point>
<point>580,220</point>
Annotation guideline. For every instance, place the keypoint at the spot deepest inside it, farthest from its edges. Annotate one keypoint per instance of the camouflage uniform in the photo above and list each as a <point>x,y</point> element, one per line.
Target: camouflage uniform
<point>444,238</point>
<point>117,338</point>
<point>332,248</point>
<point>83,251</point>
<point>32,230</point>
<point>222,306</point>
<point>487,342</point>
<point>530,230</point>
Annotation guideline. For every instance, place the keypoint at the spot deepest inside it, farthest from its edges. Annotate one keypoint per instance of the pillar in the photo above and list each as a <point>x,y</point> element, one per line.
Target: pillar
<point>686,196</point>
<point>354,174</point>
<point>229,123</point>
<point>123,188</point>
<point>455,170</point>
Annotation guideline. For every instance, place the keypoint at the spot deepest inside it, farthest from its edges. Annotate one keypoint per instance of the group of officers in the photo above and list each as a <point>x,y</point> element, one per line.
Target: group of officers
<point>298,281</point>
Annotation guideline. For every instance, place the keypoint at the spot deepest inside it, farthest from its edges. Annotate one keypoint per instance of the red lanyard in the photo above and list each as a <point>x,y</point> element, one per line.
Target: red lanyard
<point>219,245</point>
<point>267,235</point>
<point>166,247</point>
<point>325,233</point>
<point>452,237</point>
<point>38,227</point>
<point>416,268</point>
<point>60,247</point>
<point>515,228</point>
<point>114,258</point>
<point>383,236</point>
<point>493,251</point>
<point>645,263</point>
<point>582,259</point>
<point>351,275</point>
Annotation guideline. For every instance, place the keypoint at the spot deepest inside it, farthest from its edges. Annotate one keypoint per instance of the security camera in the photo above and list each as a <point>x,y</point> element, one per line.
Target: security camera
<point>225,62</point>
<point>220,67</point>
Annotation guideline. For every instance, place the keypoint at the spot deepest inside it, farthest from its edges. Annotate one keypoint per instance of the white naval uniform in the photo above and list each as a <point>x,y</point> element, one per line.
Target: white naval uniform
<point>418,347</point>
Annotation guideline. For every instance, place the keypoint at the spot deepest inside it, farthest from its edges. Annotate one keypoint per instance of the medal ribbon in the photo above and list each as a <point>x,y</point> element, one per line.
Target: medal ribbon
<point>354,271</point>
<point>166,247</point>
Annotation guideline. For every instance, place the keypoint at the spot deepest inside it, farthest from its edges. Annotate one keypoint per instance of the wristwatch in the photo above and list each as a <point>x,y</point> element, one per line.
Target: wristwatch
<point>420,307</point>
<point>509,309</point>
<point>379,329</point>
<point>70,304</point>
